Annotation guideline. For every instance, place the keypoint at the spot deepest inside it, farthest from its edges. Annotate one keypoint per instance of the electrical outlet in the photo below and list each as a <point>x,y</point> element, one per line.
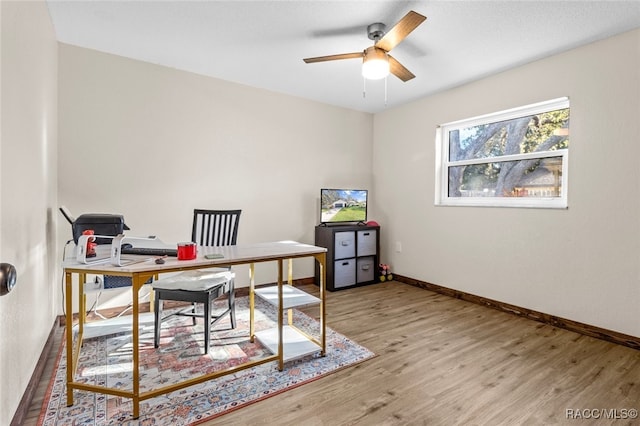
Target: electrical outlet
<point>96,284</point>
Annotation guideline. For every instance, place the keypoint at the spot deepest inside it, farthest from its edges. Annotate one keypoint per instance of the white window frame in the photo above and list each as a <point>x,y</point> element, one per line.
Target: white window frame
<point>443,163</point>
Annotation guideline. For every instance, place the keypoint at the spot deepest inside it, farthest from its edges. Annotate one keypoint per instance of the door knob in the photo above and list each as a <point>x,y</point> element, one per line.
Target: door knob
<point>8,278</point>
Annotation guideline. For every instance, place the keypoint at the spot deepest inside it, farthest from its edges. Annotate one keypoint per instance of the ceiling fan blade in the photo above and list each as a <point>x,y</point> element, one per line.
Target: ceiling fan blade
<point>397,69</point>
<point>334,57</point>
<point>402,29</point>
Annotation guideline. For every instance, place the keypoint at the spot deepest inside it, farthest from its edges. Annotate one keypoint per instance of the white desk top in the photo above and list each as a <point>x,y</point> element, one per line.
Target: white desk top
<point>233,255</point>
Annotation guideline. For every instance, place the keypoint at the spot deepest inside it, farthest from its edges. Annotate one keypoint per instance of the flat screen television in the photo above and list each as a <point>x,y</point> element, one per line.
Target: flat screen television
<point>343,206</point>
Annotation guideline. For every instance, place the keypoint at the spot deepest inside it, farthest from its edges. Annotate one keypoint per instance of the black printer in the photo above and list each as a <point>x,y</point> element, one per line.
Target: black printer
<point>102,224</point>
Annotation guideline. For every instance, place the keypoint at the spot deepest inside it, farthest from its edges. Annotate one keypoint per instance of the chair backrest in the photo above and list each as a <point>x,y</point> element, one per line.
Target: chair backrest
<point>215,227</point>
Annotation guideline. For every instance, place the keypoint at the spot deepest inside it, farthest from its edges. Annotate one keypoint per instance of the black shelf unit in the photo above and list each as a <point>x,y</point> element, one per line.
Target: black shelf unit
<point>353,255</point>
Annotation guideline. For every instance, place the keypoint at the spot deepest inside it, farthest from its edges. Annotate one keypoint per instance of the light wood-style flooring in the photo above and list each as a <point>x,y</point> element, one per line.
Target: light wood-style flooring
<point>443,361</point>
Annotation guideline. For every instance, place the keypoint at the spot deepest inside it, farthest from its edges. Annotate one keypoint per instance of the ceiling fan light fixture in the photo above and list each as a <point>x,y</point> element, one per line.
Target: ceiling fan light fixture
<point>375,63</point>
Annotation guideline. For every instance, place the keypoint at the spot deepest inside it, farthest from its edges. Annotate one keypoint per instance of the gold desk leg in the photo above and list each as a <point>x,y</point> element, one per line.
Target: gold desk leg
<point>152,294</point>
<point>280,319</point>
<point>69,325</point>
<point>322,260</point>
<point>252,274</point>
<point>290,282</point>
<point>82,304</point>
<point>136,284</point>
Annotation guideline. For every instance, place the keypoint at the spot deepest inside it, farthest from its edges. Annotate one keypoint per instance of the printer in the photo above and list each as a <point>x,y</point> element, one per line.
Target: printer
<point>102,224</point>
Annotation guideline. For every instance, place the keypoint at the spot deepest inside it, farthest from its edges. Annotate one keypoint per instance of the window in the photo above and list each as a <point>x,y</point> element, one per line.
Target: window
<point>513,158</point>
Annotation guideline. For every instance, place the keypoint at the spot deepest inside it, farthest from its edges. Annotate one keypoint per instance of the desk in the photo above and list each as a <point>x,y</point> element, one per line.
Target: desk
<point>142,271</point>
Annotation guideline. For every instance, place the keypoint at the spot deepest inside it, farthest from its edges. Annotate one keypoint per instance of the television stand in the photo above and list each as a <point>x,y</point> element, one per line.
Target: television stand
<point>353,254</point>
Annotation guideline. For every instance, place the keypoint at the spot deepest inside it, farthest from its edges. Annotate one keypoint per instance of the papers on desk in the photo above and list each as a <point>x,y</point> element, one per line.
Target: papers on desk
<point>126,261</point>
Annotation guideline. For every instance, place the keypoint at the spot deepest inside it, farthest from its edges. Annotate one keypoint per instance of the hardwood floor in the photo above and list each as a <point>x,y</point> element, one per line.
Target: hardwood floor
<point>444,361</point>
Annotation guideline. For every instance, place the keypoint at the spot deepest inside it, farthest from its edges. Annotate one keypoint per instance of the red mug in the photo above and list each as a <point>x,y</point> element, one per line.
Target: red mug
<point>187,251</point>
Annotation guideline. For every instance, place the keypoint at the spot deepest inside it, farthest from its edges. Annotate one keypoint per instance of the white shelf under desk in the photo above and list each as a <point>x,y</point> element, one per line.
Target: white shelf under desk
<point>295,343</point>
<point>291,297</point>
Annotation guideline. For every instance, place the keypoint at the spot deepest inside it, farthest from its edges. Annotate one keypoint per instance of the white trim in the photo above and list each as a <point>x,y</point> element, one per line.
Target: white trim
<point>512,157</point>
<point>508,114</point>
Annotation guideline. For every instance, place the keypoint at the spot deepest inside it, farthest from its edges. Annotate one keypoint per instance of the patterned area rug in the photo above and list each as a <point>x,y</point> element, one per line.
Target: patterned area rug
<point>107,360</point>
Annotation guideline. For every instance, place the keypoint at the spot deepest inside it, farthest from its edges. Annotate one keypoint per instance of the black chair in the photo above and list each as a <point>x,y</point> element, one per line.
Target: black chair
<point>210,228</point>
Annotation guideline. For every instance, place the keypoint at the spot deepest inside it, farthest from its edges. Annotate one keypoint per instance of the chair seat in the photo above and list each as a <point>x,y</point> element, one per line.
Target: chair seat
<point>194,280</point>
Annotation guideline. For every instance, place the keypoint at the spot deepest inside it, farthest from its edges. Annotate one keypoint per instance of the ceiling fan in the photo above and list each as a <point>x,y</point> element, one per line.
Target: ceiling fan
<point>376,61</point>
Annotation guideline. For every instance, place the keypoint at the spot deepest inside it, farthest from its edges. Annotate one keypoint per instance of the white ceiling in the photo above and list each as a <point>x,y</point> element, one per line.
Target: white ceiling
<point>262,43</point>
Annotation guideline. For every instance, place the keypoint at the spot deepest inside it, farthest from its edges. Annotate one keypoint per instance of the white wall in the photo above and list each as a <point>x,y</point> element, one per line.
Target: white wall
<point>28,189</point>
<point>581,263</point>
<point>153,143</point>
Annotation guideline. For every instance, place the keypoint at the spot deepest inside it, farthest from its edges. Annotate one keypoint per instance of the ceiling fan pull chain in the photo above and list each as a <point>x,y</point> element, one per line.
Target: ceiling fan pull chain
<point>364,87</point>
<point>385,92</point>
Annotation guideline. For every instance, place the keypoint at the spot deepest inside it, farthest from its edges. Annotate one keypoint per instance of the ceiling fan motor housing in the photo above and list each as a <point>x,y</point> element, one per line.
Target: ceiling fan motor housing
<point>376,31</point>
